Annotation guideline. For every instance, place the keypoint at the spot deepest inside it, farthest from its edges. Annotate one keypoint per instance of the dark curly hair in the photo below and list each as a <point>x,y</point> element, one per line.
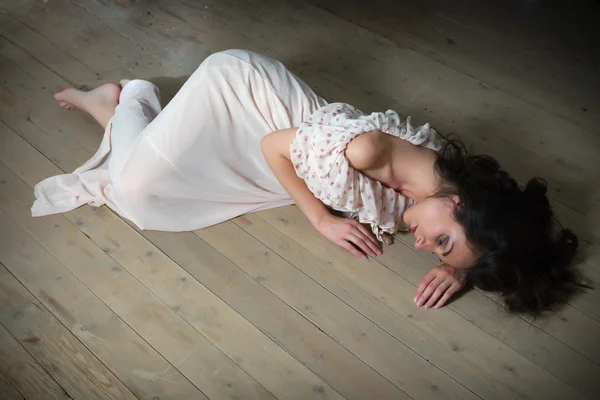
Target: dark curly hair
<point>524,254</point>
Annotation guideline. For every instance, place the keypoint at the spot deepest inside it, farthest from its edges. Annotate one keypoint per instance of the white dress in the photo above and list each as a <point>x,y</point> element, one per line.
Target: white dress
<point>198,162</point>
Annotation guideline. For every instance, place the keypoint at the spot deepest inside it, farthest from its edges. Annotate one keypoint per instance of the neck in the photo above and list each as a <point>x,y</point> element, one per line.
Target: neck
<point>412,169</point>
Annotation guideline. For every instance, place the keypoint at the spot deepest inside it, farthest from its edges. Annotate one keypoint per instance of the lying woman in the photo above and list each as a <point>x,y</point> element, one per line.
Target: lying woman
<point>244,134</point>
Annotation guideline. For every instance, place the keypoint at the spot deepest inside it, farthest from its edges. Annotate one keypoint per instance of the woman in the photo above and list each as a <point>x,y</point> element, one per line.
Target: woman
<point>244,134</point>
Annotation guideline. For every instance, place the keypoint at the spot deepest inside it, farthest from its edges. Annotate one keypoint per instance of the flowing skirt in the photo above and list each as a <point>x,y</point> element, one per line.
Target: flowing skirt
<point>196,163</point>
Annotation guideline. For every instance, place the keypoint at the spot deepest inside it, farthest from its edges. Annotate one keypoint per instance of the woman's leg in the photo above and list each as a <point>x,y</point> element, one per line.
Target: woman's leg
<point>124,111</point>
<point>128,108</point>
<point>139,104</point>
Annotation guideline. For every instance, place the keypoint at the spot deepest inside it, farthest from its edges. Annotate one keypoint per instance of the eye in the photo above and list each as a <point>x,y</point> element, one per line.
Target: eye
<point>443,240</point>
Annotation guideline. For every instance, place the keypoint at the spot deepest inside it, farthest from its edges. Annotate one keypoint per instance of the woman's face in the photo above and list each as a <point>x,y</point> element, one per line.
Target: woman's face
<point>435,229</point>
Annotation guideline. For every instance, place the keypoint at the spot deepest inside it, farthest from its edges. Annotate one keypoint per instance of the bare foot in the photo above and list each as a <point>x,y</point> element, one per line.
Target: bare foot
<point>124,82</point>
<point>100,103</point>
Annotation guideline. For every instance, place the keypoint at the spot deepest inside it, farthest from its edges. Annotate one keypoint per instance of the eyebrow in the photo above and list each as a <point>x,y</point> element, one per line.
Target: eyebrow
<point>448,252</point>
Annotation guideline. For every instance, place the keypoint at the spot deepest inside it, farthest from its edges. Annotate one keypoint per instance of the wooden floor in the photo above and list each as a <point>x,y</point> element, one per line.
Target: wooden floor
<point>262,307</point>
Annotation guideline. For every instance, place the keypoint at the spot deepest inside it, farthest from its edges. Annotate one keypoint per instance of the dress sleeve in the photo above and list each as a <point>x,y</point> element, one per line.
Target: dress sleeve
<point>318,156</point>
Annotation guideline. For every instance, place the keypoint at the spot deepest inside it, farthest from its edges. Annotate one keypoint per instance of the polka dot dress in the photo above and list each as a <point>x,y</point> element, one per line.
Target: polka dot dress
<point>318,155</point>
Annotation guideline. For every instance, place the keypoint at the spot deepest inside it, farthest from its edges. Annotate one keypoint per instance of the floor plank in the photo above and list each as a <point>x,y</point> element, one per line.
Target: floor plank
<point>70,363</point>
<point>114,342</point>
<point>7,390</point>
<point>24,372</point>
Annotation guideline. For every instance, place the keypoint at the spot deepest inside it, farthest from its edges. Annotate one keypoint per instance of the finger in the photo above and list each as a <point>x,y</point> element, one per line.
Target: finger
<point>424,282</point>
<point>368,234</point>
<point>441,289</point>
<point>374,250</point>
<point>449,293</point>
<point>429,291</point>
<point>351,249</point>
<point>361,243</point>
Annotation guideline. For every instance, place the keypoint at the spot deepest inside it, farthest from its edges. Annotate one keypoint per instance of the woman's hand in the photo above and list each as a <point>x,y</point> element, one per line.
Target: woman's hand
<point>347,231</point>
<point>439,285</point>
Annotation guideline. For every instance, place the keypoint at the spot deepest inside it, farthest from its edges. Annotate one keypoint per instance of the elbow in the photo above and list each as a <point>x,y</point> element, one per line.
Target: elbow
<point>265,144</point>
<point>277,144</point>
<point>268,148</point>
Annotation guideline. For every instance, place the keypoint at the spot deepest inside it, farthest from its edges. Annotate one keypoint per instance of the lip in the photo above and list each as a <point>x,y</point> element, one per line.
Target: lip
<point>413,228</point>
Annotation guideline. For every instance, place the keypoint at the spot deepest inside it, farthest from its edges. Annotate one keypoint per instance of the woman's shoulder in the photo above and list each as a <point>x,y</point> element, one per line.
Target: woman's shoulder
<point>365,151</point>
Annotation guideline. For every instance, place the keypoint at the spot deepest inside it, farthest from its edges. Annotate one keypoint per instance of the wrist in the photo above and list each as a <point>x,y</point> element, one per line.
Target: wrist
<point>319,221</point>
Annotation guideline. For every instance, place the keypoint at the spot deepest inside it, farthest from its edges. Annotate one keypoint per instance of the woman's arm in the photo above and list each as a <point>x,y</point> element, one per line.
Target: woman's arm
<point>276,150</point>
<point>342,231</point>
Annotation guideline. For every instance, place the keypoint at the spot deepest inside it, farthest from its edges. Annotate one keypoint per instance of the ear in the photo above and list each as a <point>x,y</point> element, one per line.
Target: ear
<point>455,199</point>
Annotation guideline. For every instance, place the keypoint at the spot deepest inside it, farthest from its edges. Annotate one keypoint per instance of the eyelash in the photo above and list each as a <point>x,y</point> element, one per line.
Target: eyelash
<point>443,240</point>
